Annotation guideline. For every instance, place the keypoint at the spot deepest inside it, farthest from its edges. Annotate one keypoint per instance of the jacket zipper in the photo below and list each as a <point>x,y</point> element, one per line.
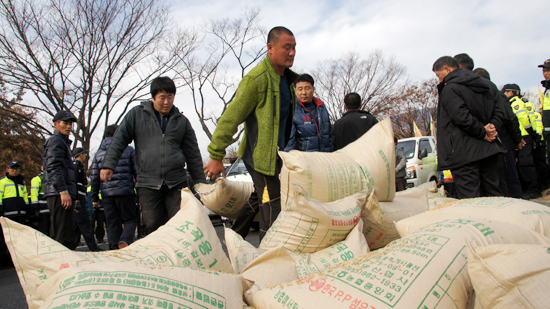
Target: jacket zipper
<point>277,133</point>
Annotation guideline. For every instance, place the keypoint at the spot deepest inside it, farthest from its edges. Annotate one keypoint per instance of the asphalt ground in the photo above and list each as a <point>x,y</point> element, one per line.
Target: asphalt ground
<point>11,292</point>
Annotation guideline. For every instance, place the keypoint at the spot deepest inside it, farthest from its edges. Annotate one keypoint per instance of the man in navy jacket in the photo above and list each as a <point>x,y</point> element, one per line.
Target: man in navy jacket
<point>60,179</point>
<point>311,128</point>
<point>118,195</point>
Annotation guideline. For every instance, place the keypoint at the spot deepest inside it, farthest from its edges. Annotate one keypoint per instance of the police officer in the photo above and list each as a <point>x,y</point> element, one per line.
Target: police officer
<point>82,223</point>
<point>14,204</point>
<point>39,203</point>
<point>546,103</point>
<point>526,164</point>
<point>14,199</point>
<point>539,154</point>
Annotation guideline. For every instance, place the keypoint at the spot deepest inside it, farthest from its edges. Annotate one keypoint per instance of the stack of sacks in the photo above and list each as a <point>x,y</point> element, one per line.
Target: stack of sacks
<point>278,265</point>
<point>187,240</point>
<point>225,197</point>
<point>134,285</point>
<point>366,164</point>
<point>510,276</point>
<point>531,215</point>
<point>379,217</point>
<point>306,225</point>
<point>308,236</point>
<point>425,269</point>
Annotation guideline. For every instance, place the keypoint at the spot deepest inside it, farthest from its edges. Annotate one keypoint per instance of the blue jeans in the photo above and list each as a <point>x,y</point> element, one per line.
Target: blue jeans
<point>120,211</point>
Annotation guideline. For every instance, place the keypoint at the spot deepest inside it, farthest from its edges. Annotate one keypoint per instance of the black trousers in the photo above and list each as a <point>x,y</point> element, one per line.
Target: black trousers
<point>511,175</point>
<point>159,206</point>
<point>400,184</point>
<point>268,189</point>
<point>526,169</point>
<point>44,223</point>
<point>479,178</point>
<point>121,216</point>
<point>244,221</point>
<point>61,227</point>
<point>547,138</point>
<point>82,225</point>
<point>99,218</point>
<point>539,157</point>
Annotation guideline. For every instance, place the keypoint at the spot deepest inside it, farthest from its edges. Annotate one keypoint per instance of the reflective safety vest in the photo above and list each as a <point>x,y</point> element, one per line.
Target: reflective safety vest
<point>14,199</point>
<point>546,111</point>
<point>530,110</point>
<point>539,127</point>
<point>518,107</point>
<point>38,201</point>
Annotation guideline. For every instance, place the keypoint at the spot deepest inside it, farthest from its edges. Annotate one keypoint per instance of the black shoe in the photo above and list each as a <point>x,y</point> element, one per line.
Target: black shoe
<point>531,195</point>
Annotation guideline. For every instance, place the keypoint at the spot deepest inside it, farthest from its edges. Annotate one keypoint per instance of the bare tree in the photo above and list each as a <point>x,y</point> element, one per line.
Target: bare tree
<point>416,103</point>
<point>89,57</point>
<point>210,72</point>
<point>374,78</point>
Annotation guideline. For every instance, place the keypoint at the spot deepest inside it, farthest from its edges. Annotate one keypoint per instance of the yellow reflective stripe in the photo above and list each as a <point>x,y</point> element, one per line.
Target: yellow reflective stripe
<point>265,196</point>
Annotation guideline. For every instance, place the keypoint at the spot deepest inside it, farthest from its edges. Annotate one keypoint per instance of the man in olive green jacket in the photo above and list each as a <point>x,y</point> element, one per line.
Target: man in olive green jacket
<point>265,102</point>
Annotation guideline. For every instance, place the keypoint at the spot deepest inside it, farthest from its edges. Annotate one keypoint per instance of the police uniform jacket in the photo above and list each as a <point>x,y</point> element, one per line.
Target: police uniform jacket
<point>14,199</point>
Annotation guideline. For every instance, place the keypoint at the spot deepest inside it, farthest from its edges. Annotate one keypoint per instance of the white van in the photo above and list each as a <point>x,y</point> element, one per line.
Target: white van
<point>421,159</point>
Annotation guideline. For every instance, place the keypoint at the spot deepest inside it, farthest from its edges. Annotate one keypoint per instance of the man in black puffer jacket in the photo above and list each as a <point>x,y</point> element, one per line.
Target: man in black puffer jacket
<point>353,123</point>
<point>118,196</point>
<point>60,179</point>
<point>466,130</point>
<point>509,133</point>
<point>165,142</point>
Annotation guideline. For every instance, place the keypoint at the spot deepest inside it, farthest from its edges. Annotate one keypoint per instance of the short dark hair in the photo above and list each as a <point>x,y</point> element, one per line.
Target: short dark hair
<point>110,131</point>
<point>162,83</point>
<point>304,78</point>
<point>352,100</point>
<point>445,61</point>
<point>275,33</point>
<point>481,72</point>
<point>465,61</point>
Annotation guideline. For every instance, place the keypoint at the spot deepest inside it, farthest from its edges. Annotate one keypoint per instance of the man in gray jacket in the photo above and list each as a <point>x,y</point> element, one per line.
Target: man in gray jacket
<point>164,143</point>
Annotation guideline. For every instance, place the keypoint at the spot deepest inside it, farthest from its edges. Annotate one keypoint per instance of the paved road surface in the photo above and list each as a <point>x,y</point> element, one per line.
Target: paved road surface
<point>11,293</point>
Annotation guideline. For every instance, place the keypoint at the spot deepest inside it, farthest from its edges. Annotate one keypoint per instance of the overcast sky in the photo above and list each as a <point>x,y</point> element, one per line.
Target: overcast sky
<point>508,38</point>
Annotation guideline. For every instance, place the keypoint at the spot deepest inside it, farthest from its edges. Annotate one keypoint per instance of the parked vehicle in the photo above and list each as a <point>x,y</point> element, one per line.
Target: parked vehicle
<point>238,172</point>
<point>421,159</point>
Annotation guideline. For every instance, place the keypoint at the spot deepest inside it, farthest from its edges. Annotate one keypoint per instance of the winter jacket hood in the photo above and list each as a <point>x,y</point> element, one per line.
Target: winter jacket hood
<point>468,79</point>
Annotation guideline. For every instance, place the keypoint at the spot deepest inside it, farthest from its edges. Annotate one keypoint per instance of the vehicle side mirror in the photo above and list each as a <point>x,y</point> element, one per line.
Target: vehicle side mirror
<point>423,153</point>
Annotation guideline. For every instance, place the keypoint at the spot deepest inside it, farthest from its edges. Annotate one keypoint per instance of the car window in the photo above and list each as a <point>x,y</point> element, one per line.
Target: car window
<point>408,148</point>
<point>238,168</point>
<point>425,144</point>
